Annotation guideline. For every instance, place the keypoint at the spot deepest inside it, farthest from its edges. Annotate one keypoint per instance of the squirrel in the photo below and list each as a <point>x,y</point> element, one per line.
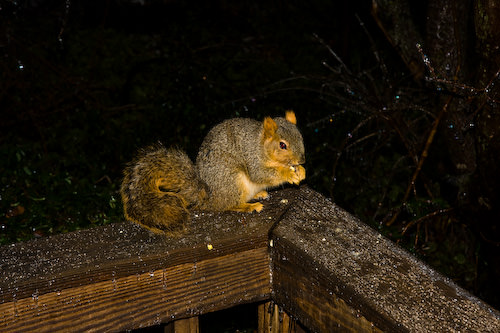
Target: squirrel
<point>238,161</point>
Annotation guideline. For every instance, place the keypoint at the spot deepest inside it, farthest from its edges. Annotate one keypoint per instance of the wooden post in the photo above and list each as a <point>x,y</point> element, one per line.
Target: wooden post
<point>274,320</point>
<point>189,325</point>
<point>264,321</point>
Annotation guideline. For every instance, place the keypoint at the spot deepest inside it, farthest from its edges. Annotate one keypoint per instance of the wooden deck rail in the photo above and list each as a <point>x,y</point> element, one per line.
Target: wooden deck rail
<point>321,265</point>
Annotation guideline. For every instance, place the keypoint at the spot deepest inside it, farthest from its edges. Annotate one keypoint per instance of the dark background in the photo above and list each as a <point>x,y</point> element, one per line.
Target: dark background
<point>405,139</point>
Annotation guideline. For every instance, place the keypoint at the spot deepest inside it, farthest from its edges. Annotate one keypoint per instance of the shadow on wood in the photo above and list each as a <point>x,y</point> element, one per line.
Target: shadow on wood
<point>321,265</point>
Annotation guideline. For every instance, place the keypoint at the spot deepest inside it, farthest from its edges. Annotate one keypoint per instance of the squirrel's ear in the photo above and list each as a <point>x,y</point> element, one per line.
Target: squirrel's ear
<point>270,126</point>
<point>290,116</point>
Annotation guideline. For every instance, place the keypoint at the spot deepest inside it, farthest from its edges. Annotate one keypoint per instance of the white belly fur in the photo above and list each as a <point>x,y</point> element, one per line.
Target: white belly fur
<point>251,188</point>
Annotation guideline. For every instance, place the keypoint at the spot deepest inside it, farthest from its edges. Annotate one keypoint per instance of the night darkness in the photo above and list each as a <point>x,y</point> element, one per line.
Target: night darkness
<point>405,137</point>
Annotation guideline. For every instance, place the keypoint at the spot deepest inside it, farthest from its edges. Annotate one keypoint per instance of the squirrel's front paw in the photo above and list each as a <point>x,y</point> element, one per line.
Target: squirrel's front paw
<point>297,174</point>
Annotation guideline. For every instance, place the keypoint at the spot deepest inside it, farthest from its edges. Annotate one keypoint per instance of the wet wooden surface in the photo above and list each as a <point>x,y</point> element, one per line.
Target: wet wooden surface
<point>322,266</point>
<point>122,277</point>
<point>333,272</point>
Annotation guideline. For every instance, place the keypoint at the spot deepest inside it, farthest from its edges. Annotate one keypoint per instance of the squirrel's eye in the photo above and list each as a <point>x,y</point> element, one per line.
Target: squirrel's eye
<point>282,145</point>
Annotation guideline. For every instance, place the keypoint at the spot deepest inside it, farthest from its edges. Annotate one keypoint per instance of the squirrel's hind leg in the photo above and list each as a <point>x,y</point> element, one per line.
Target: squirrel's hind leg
<point>248,207</point>
<point>261,195</point>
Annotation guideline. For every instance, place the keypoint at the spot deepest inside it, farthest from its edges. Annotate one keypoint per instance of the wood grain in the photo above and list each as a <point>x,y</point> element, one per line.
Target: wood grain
<point>145,299</point>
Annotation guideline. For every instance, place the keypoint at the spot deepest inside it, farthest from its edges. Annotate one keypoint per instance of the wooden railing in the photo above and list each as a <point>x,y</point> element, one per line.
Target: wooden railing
<point>326,269</point>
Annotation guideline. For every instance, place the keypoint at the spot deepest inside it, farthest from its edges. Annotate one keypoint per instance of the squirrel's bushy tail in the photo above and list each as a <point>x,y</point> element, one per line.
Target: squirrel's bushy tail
<point>159,187</point>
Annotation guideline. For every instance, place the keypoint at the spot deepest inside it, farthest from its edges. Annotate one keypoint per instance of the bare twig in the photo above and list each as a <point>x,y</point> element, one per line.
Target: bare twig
<point>422,158</point>
<point>332,52</point>
<point>423,218</point>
